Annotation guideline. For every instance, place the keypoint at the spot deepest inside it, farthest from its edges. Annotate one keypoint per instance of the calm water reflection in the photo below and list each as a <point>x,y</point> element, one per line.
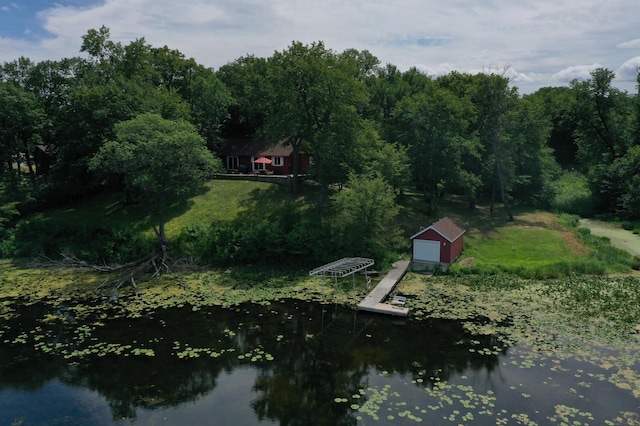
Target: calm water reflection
<point>289,363</point>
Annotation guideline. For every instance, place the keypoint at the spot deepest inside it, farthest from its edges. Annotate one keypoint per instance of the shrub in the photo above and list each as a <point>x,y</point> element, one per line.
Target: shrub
<point>7,243</point>
<point>569,220</point>
<point>92,244</point>
<point>627,225</point>
<point>191,242</point>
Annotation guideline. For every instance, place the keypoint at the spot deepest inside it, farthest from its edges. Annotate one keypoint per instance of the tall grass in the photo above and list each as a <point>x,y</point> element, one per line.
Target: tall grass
<point>572,195</point>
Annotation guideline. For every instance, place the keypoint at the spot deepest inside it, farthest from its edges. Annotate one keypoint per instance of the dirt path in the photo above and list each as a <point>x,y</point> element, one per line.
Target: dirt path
<point>621,238</point>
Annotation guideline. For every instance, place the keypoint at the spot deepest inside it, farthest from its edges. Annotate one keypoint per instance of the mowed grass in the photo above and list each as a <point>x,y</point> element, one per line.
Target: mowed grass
<point>519,247</point>
<point>217,201</point>
<point>229,200</point>
<point>534,245</point>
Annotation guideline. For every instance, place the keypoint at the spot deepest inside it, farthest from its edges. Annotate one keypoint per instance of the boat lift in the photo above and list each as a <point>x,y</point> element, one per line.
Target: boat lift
<point>343,268</point>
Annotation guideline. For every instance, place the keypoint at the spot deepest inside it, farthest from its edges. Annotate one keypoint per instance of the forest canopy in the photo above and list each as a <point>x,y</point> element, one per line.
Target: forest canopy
<point>469,135</point>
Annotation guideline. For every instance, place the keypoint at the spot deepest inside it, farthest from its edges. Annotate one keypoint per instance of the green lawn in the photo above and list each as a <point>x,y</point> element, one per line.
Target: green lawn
<point>534,245</point>
<point>519,246</point>
<point>217,201</point>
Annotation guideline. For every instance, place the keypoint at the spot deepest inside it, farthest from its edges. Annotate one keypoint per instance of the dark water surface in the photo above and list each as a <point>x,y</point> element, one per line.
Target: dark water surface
<point>287,363</point>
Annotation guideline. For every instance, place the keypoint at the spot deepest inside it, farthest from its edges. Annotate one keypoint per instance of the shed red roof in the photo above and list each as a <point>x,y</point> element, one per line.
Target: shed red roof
<point>445,227</point>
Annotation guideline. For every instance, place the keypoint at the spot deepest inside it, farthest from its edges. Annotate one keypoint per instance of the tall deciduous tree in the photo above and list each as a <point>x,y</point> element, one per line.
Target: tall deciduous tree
<point>527,129</point>
<point>558,104</point>
<point>605,119</point>
<point>246,80</point>
<point>160,160</point>
<point>493,99</point>
<point>432,124</point>
<point>209,100</point>
<point>605,134</point>
<point>313,103</point>
<point>21,122</point>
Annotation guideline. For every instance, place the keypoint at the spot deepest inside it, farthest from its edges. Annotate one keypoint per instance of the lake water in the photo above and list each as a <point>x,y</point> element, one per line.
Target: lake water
<point>287,363</point>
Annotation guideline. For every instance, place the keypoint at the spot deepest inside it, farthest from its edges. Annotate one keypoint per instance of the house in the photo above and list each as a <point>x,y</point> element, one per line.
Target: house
<point>242,156</point>
<point>441,243</point>
<point>43,158</point>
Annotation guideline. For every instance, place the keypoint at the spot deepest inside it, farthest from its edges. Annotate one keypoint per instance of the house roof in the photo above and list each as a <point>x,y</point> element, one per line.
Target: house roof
<point>248,147</point>
<point>445,227</point>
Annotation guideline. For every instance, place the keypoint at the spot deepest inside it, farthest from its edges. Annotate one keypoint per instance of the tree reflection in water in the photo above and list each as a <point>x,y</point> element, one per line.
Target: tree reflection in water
<point>304,355</point>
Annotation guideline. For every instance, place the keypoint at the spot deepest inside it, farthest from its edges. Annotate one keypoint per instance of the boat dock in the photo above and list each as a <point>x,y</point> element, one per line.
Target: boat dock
<point>373,301</point>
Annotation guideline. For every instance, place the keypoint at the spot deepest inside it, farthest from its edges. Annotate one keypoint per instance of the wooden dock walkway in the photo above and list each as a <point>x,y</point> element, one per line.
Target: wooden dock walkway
<point>373,301</point>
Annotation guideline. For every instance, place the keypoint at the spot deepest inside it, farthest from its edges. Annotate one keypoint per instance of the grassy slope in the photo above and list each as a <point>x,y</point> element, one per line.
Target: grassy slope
<point>533,240</point>
<point>219,200</point>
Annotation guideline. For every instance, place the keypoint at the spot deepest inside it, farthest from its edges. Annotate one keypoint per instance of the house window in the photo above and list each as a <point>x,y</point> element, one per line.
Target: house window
<point>277,161</point>
<point>257,166</point>
<point>232,163</point>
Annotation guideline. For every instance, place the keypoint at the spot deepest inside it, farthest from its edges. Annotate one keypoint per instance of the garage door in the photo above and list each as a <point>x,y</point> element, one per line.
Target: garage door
<point>426,250</point>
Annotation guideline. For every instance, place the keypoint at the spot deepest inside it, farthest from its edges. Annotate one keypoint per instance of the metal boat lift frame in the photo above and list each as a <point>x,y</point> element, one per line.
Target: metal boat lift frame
<point>343,268</point>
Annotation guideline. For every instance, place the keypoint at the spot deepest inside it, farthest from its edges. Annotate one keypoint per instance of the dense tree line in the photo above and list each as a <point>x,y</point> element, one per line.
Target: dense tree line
<point>66,129</point>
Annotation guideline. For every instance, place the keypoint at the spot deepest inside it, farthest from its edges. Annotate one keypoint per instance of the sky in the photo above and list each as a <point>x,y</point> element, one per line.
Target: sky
<point>536,43</point>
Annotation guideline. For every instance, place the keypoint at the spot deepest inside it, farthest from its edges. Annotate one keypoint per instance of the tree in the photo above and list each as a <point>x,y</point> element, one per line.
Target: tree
<point>605,119</point>
<point>618,186</point>
<point>493,99</point>
<point>433,127</point>
<point>366,209</point>
<point>313,102</point>
<point>526,132</point>
<point>209,100</point>
<point>161,161</point>
<point>390,161</point>
<point>558,104</point>
<point>246,80</point>
<point>605,126</point>
<point>22,120</point>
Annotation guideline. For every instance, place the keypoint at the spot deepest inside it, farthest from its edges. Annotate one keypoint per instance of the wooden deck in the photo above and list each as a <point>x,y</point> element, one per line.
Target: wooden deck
<point>373,301</point>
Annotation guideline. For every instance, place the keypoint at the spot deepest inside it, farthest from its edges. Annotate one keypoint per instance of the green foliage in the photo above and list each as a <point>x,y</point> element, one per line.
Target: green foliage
<point>528,130</point>
<point>432,125</point>
<point>618,185</point>
<point>569,220</point>
<point>95,244</point>
<point>160,161</point>
<point>535,271</point>
<point>365,210</point>
<point>572,195</point>
<point>209,100</point>
<point>603,251</point>
<point>269,241</point>
<point>605,119</point>
<point>313,101</point>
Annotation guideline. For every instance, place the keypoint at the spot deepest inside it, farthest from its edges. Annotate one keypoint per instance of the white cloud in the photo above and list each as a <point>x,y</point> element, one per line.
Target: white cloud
<point>631,44</point>
<point>535,37</point>
<point>577,72</point>
<point>629,70</point>
<point>442,69</point>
